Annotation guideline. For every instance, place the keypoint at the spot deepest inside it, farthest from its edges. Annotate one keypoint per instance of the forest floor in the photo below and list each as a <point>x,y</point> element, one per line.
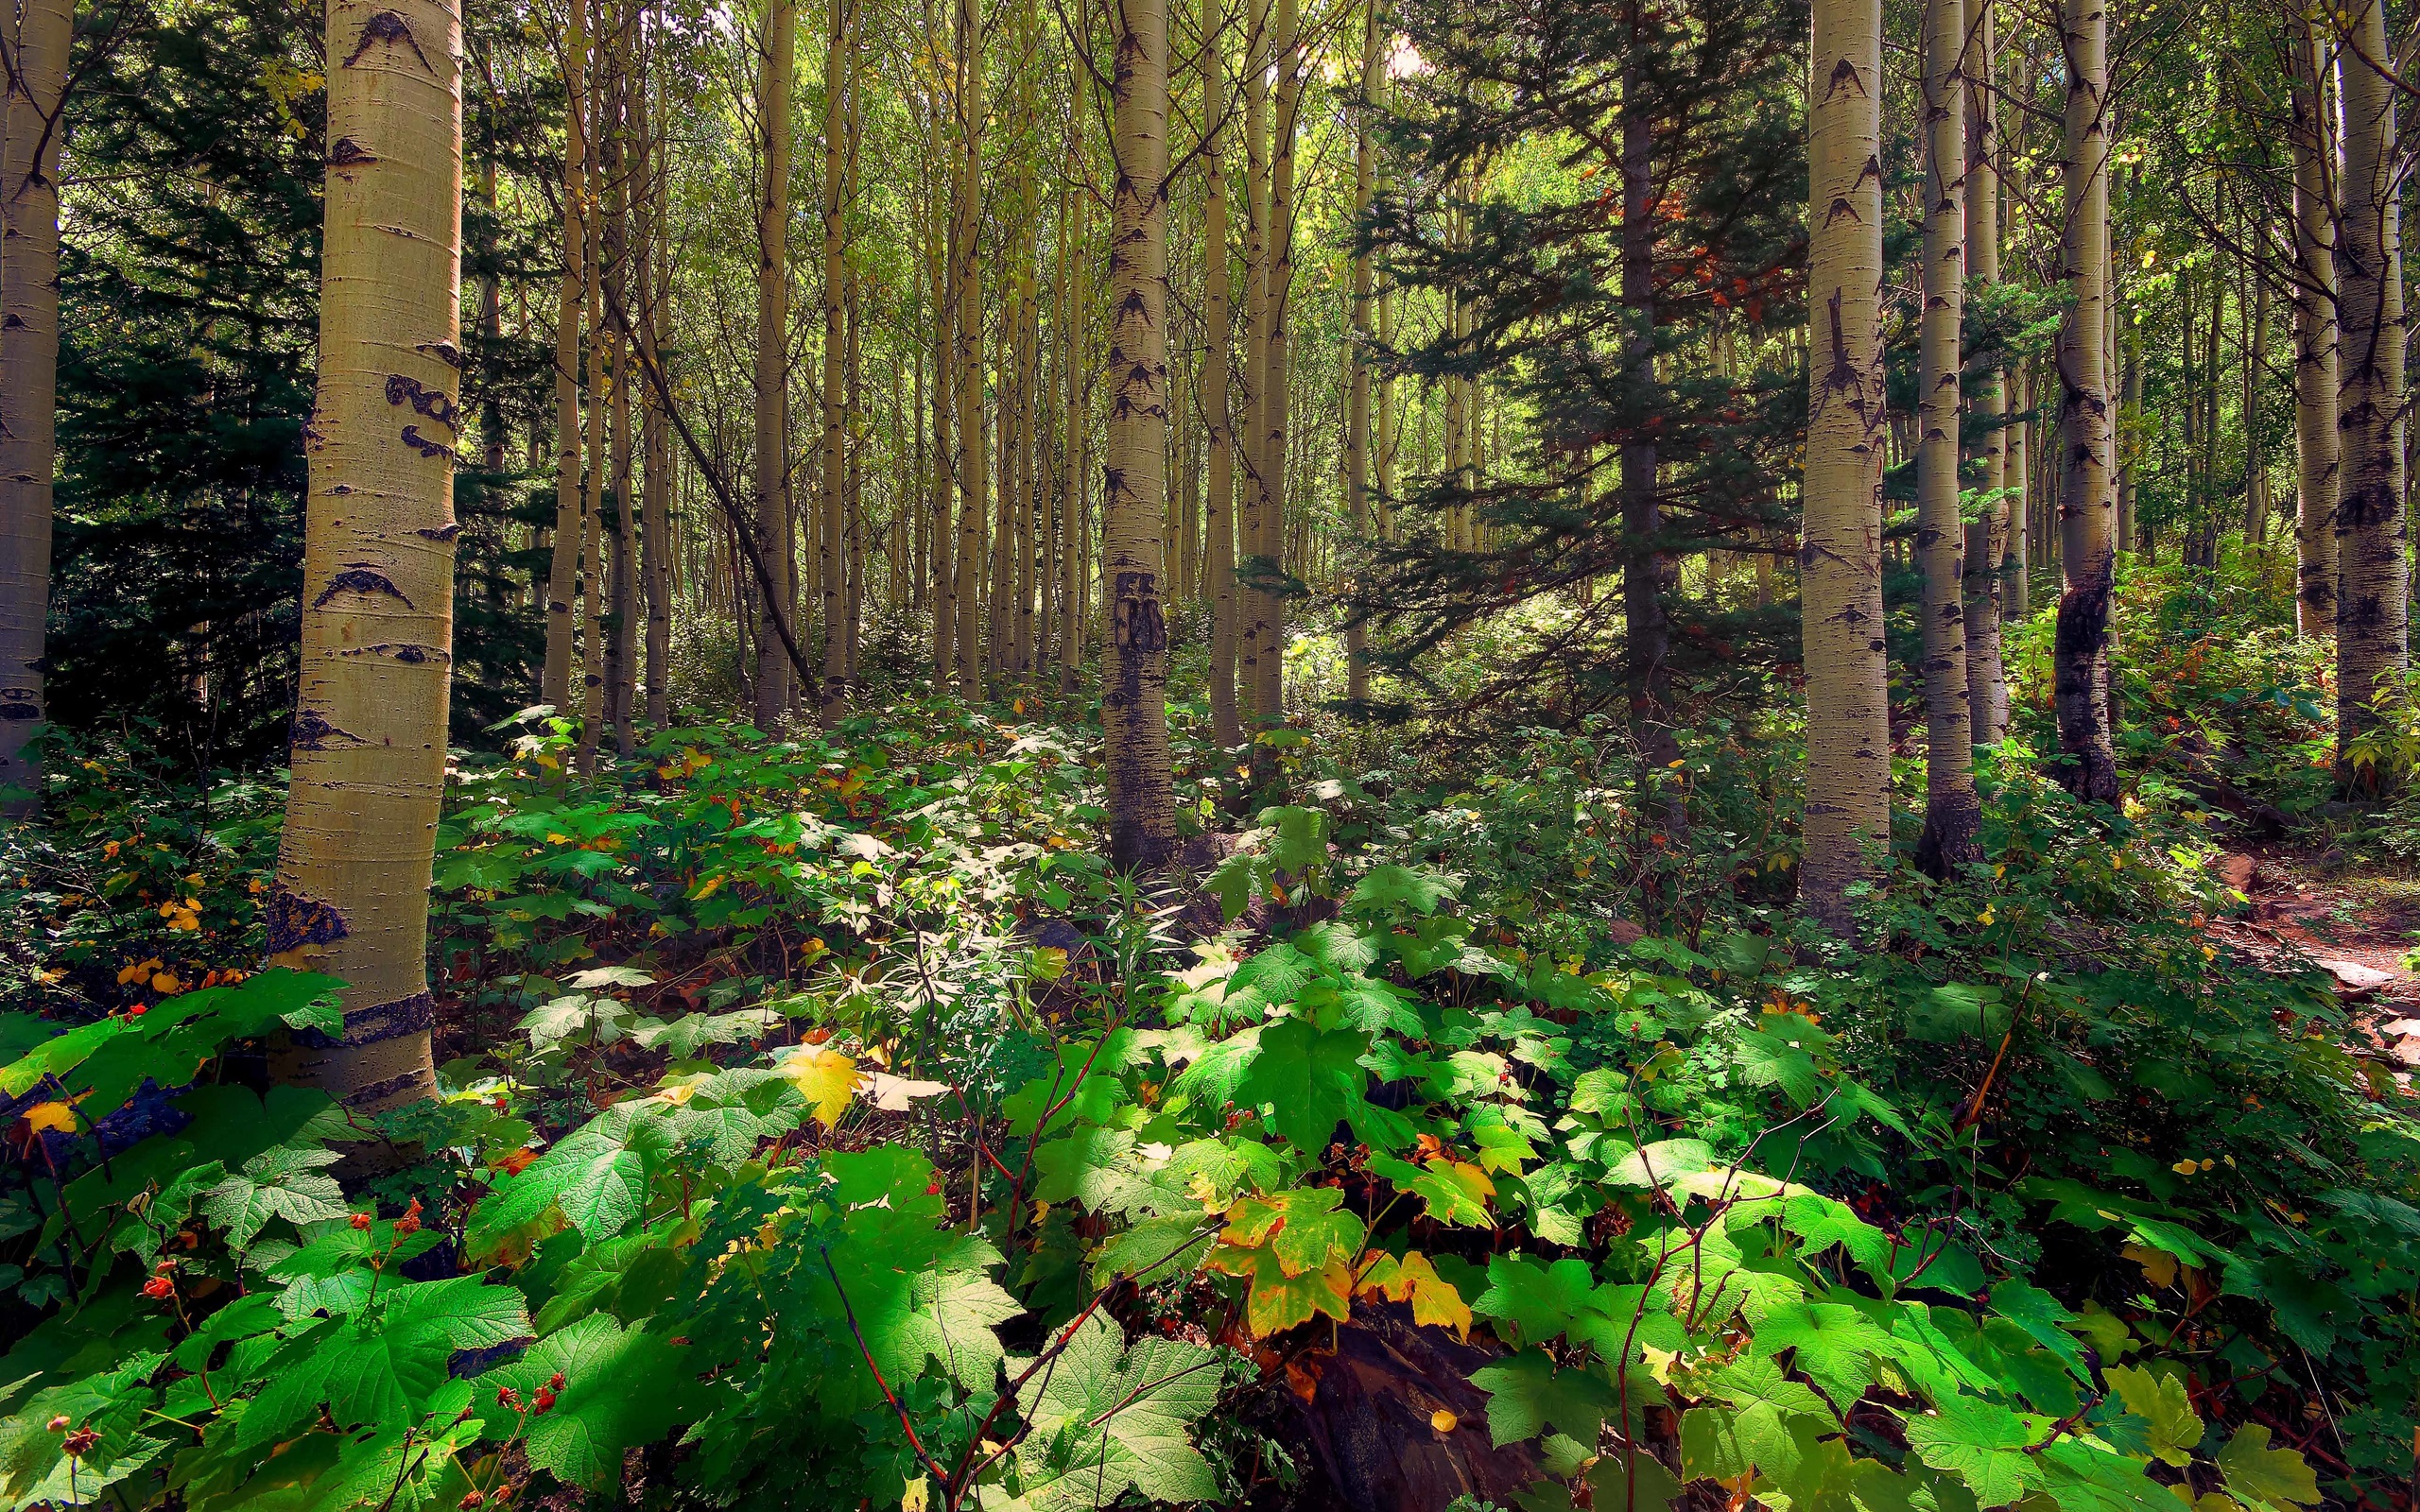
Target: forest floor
<point>2361,925</point>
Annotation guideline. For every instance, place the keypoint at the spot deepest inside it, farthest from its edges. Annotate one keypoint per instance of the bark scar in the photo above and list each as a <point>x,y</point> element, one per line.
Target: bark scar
<point>387,26</point>
<point>360,578</point>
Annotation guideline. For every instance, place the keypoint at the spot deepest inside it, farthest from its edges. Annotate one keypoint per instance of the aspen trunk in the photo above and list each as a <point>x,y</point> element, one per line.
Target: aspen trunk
<point>2255,460</point>
<point>621,649</point>
<point>854,422</point>
<point>591,507</point>
<point>28,382</point>
<point>1987,539</point>
<point>2127,436</point>
<point>1953,816</point>
<point>1251,623</point>
<point>967,361</point>
<point>773,89</point>
<point>1135,731</point>
<point>369,751</point>
<point>1219,508</point>
<point>1357,441</point>
<point>2313,318</point>
<point>562,572</point>
<point>655,300</point>
<point>940,259</point>
<point>1077,466</point>
<point>1840,557</point>
<point>2088,544</point>
<point>1276,387</point>
<point>2372,583</point>
<point>831,563</point>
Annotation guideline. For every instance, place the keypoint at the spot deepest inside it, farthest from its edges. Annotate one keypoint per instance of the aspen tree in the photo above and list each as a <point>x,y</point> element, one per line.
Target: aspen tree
<point>942,600</point>
<point>562,572</point>
<point>1078,472</point>
<point>37,94</point>
<point>1356,442</point>
<point>1276,383</point>
<point>1953,815</point>
<point>2088,504</point>
<point>655,300</point>
<point>1219,508</point>
<point>591,507</point>
<point>835,394</point>
<point>1000,565</point>
<point>1840,557</point>
<point>2373,578</point>
<point>773,87</point>
<point>1251,628</point>
<point>621,649</point>
<point>350,897</point>
<point>1135,732</point>
<point>1987,539</point>
<point>967,360</point>
<point>2313,318</point>
<point>852,618</point>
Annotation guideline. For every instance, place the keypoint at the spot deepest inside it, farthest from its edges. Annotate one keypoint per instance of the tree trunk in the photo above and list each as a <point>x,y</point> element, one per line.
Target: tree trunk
<point>655,301</point>
<point>1953,815</point>
<point>1135,731</point>
<point>1252,603</point>
<point>1077,465</point>
<point>1988,538</point>
<point>941,556</point>
<point>369,751</point>
<point>621,649</point>
<point>592,507</point>
<point>2255,460</point>
<point>2087,547</point>
<point>2128,435</point>
<point>1646,632</point>
<point>2316,441</point>
<point>1357,443</point>
<point>832,566</point>
<point>1277,384</point>
<point>1840,556</point>
<point>562,571</point>
<point>1218,509</point>
<point>773,88</point>
<point>967,360</point>
<point>2372,587</point>
<point>28,382</point>
<point>2018,477</point>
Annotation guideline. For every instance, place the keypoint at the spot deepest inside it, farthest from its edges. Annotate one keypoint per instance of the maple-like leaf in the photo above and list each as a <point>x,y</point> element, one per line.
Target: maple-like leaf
<point>613,1397</point>
<point>825,1077</point>
<point>1415,1278</point>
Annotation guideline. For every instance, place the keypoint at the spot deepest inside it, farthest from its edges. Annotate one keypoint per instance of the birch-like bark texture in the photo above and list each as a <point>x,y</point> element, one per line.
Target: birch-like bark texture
<point>1078,464</point>
<point>835,396</point>
<point>774,80</point>
<point>2313,317</point>
<point>591,507</point>
<point>655,318</point>
<point>563,568</point>
<point>622,167</point>
<point>369,751</point>
<point>1357,438</point>
<point>44,29</point>
<point>940,238</point>
<point>967,359</point>
<point>1953,815</point>
<point>2373,582</point>
<point>1251,617</point>
<point>1988,559</point>
<point>1839,554</point>
<point>1218,506</point>
<point>2087,500</point>
<point>1134,730</point>
<point>1277,382</point>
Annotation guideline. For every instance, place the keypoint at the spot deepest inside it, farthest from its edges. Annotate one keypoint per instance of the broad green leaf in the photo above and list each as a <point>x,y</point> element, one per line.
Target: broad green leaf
<point>1979,1442</point>
<point>1451,1192</point>
<point>2279,1479</point>
<point>614,1396</point>
<point>381,1366</point>
<point>1526,1395</point>
<point>286,1182</point>
<point>1106,1417</point>
<point>2160,1400</point>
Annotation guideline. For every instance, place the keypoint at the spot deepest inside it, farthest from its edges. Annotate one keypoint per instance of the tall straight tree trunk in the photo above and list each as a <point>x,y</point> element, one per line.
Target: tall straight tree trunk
<point>2316,441</point>
<point>591,507</point>
<point>967,359</point>
<point>1988,548</point>
<point>1356,442</point>
<point>562,572</point>
<point>852,610</point>
<point>1251,625</point>
<point>2088,504</point>
<point>831,565</point>
<point>773,89</point>
<point>1840,554</point>
<point>939,268</point>
<point>28,381</point>
<point>2373,582</point>
<point>621,651</point>
<point>1077,474</point>
<point>369,751</point>
<point>1645,629</point>
<point>1134,731</point>
<point>1276,383</point>
<point>655,301</point>
<point>2017,476</point>
<point>2255,457</point>
<point>2127,436</point>
<point>1953,815</point>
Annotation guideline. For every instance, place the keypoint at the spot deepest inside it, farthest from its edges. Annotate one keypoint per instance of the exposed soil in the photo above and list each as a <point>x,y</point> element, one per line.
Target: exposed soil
<point>2359,925</point>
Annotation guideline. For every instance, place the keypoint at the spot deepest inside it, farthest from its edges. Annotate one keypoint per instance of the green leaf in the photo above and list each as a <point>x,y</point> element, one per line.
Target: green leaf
<point>286,1182</point>
<point>1392,890</point>
<point>1538,1301</point>
<point>615,1395</point>
<point>2279,1479</point>
<point>1979,1442</point>
<point>1837,1345</point>
<point>381,1366</point>
<point>1635,1481</point>
<point>1307,1080</point>
<point>1450,1192</point>
<point>1106,1418</point>
<point>1527,1395</point>
<point>2160,1400</point>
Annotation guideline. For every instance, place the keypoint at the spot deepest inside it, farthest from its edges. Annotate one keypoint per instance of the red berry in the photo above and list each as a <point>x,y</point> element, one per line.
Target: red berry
<point>506,1397</point>
<point>474,1499</point>
<point>555,1382</point>
<point>159,1287</point>
<point>545,1399</point>
<point>80,1442</point>
<point>361,1221</point>
<point>406,1226</point>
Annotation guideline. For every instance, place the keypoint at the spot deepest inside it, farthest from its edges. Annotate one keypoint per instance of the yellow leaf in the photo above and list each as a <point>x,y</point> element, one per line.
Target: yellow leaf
<point>166,983</point>
<point>826,1079</point>
<point>1413,1278</point>
<point>1444,1421</point>
<point>49,1116</point>
<point>2159,1267</point>
<point>713,885</point>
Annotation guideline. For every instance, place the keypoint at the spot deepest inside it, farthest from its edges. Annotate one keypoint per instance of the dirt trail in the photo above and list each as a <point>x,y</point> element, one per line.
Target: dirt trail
<point>2359,926</point>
